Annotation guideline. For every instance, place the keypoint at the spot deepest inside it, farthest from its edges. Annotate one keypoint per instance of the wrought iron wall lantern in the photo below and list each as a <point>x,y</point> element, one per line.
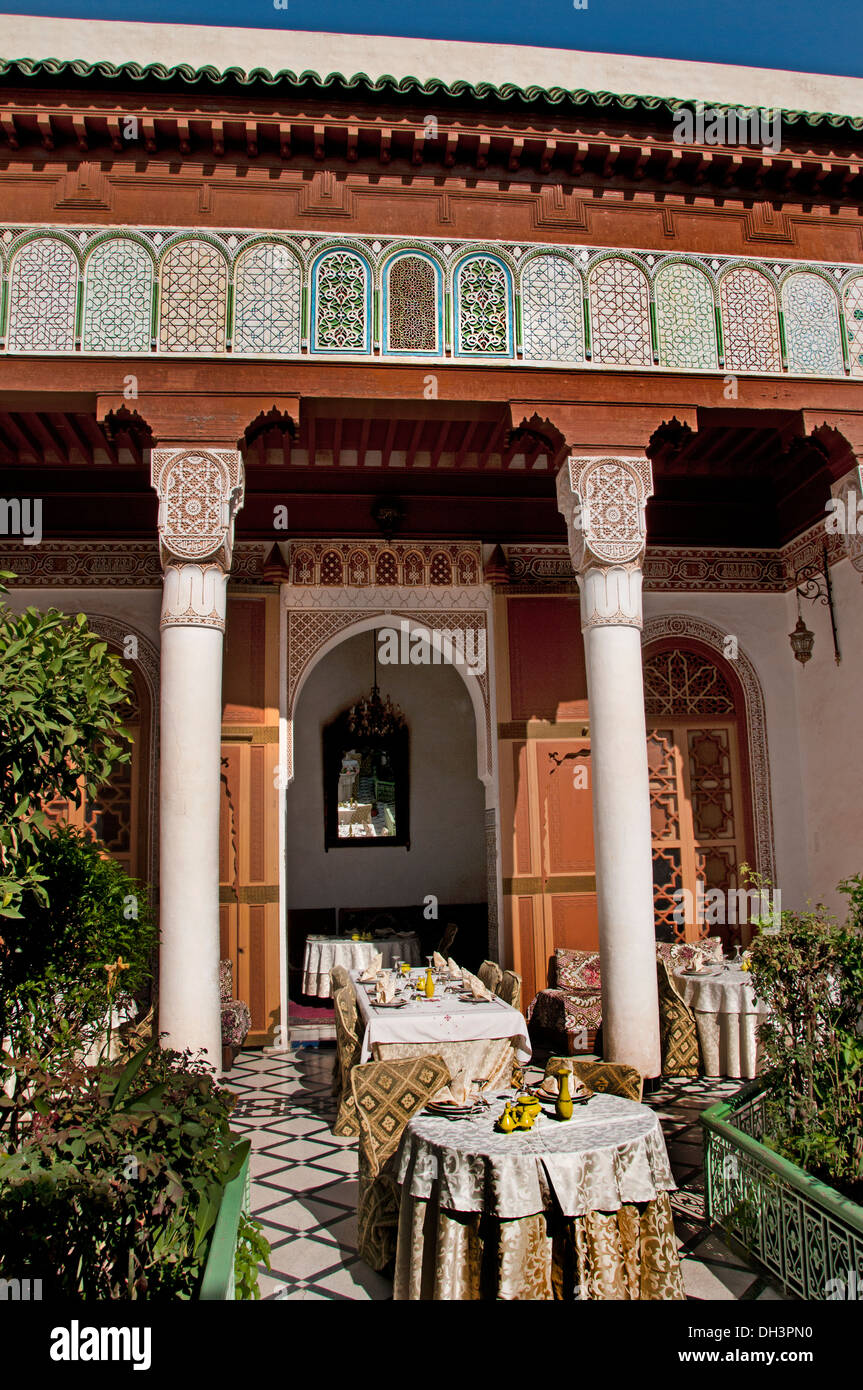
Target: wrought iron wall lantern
<point>812,582</point>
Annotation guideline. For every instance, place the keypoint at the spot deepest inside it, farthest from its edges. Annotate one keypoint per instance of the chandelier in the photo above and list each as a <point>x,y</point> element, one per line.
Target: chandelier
<point>373,717</point>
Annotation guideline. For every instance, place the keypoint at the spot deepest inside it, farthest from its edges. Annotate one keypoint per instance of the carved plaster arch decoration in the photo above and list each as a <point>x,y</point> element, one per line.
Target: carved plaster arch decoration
<point>684,626</point>
<point>115,631</point>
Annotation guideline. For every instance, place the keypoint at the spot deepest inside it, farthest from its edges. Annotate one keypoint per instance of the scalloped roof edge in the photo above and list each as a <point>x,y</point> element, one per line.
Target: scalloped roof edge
<point>30,68</point>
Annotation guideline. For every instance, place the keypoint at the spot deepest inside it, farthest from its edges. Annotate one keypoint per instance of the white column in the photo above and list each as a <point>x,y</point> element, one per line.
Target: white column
<point>200,492</point>
<point>603,500</point>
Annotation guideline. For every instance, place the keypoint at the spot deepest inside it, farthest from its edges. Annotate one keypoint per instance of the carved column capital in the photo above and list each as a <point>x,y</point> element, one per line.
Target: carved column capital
<point>200,492</point>
<point>604,501</point>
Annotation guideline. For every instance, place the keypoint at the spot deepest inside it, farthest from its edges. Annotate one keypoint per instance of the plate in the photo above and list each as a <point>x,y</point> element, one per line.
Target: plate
<point>452,1110</point>
<point>469,999</point>
<point>396,1004</point>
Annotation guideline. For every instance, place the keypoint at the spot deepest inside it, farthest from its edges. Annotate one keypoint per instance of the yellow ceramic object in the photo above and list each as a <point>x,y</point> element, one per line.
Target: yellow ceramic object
<point>563,1104</point>
<point>429,985</point>
<point>506,1123</point>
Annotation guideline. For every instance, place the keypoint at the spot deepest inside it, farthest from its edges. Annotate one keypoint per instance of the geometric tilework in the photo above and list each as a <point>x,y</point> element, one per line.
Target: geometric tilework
<point>341,311</point>
<point>811,325</point>
<point>684,317</point>
<point>43,293</point>
<point>620,313</point>
<point>750,324</point>
<point>304,1183</point>
<point>551,310</point>
<point>267,299</point>
<point>118,288</point>
<point>483,306</point>
<point>193,298</point>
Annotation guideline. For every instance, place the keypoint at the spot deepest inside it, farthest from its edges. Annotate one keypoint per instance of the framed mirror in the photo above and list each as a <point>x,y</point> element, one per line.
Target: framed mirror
<point>366,773</point>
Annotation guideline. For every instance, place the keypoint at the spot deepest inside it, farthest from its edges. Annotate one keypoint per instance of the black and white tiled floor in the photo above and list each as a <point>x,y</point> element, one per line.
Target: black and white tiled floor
<point>304,1183</point>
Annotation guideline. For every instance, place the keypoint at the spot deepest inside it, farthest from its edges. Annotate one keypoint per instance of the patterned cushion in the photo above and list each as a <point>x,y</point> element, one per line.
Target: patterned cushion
<point>566,1010</point>
<point>386,1095</point>
<point>686,955</point>
<point>711,947</point>
<point>612,1078</point>
<point>677,1031</point>
<point>236,1022</point>
<point>226,980</point>
<point>577,969</point>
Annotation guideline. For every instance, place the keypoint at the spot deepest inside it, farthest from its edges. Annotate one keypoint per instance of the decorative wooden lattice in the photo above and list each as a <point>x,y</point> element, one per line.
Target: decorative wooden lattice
<point>42,297</point>
<point>749,321</point>
<point>118,291</point>
<point>811,325</point>
<point>551,310</point>
<point>341,307</point>
<point>194,299</point>
<point>854,323</point>
<point>412,306</point>
<point>483,307</point>
<point>267,301</point>
<point>620,314</point>
<point>684,317</point>
<point>680,683</point>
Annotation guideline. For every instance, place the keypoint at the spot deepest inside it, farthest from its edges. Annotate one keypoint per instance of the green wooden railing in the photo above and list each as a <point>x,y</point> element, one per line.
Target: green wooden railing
<point>798,1228</point>
<point>217,1284</point>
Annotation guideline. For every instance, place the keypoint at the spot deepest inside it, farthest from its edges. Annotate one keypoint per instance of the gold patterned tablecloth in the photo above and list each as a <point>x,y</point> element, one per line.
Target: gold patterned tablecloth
<point>563,1211</point>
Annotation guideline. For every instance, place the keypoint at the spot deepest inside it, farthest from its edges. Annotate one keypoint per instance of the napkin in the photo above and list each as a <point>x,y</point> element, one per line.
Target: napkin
<point>373,966</point>
<point>453,968</point>
<point>474,985</point>
<point>386,990</point>
<point>438,961</point>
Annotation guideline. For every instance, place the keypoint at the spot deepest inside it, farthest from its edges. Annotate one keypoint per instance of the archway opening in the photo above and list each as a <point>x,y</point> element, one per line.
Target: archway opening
<point>352,887</point>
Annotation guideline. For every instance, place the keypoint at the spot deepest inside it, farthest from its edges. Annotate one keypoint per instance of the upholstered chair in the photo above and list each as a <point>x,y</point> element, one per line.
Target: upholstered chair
<point>509,989</point>
<point>339,978</point>
<point>447,941</point>
<point>572,1006</point>
<point>491,975</point>
<point>236,1015</point>
<point>677,1030</point>
<point>609,1078</point>
<point>386,1095</point>
<point>348,1044</point>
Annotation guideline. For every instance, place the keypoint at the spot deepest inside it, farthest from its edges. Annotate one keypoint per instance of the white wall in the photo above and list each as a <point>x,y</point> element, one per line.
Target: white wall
<point>761,623</point>
<point>447,854</point>
<point>829,701</point>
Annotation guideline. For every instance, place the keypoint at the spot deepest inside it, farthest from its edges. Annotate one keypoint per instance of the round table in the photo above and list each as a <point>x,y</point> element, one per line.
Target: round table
<point>727,1015</point>
<point>566,1210</point>
<point>323,952</point>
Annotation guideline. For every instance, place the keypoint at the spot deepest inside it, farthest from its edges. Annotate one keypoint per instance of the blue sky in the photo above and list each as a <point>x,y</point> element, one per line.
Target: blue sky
<point>798,34</point>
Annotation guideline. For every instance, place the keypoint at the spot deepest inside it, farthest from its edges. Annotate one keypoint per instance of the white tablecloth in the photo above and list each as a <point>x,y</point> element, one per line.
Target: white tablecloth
<point>440,1020</point>
<point>611,1152</point>
<point>727,1016</point>
<point>323,952</point>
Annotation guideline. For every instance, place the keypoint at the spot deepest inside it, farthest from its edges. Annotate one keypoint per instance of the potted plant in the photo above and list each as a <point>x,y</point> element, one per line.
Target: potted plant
<point>784,1158</point>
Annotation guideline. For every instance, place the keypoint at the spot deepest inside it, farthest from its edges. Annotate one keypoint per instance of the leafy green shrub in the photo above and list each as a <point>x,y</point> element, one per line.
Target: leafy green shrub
<point>61,702</point>
<point>253,1249</point>
<point>810,974</point>
<point>113,1182</point>
<point>56,955</point>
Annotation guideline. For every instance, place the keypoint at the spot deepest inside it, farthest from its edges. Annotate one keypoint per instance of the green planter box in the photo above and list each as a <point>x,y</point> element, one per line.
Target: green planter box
<point>218,1281</point>
<point>796,1227</point>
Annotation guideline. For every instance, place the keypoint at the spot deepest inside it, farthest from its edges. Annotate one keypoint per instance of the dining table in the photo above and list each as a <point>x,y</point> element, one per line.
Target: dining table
<point>727,1015</point>
<point>478,1040</point>
<point>323,952</point>
<point>570,1209</point>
